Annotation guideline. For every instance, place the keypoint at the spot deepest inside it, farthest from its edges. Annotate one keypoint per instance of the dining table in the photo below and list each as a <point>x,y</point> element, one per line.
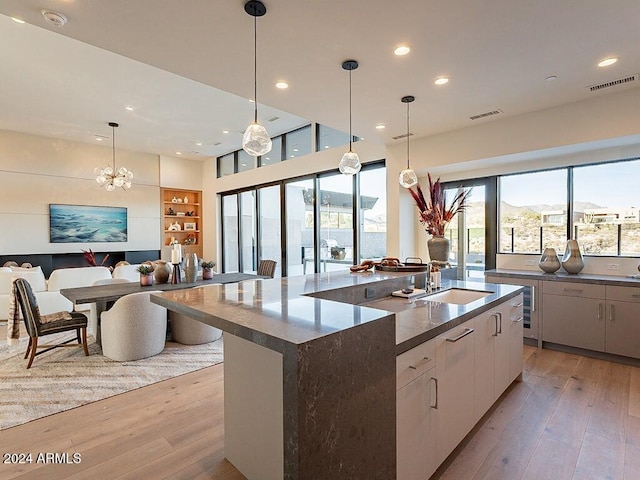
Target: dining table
<point>104,295</point>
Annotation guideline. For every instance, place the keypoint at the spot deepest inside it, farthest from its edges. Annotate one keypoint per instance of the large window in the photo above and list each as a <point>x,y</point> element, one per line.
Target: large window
<point>230,244</point>
<point>533,212</point>
<point>298,142</point>
<point>373,221</point>
<point>248,240</point>
<point>336,221</point>
<point>299,213</point>
<point>269,214</point>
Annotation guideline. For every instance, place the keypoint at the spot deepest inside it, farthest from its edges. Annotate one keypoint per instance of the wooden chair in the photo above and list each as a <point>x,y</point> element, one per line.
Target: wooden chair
<point>267,268</point>
<point>40,325</point>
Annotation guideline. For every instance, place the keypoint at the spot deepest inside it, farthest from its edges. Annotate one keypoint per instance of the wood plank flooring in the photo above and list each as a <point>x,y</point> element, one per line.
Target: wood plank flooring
<point>571,418</point>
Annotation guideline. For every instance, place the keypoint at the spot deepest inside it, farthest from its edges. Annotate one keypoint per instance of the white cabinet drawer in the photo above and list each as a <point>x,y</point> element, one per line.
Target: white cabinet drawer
<point>571,289</point>
<point>413,363</point>
<point>623,294</point>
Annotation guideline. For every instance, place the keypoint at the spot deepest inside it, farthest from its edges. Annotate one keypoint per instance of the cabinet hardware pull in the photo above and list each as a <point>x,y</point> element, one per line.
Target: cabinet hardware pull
<point>495,316</point>
<point>572,290</point>
<point>435,381</point>
<point>599,311</point>
<point>611,312</point>
<point>424,359</point>
<point>533,298</point>
<point>519,319</point>
<point>467,331</point>
<point>521,304</point>
<point>500,331</point>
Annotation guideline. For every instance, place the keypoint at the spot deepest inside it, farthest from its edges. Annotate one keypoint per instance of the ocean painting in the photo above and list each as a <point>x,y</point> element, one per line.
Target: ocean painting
<point>83,224</point>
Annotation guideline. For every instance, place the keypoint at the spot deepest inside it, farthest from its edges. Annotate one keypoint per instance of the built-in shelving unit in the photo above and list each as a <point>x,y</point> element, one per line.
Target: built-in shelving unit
<point>182,220</point>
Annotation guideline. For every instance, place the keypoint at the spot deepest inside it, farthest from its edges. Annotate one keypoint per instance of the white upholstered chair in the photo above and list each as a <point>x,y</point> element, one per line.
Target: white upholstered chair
<point>128,272</point>
<point>98,307</point>
<point>188,331</point>
<point>133,328</point>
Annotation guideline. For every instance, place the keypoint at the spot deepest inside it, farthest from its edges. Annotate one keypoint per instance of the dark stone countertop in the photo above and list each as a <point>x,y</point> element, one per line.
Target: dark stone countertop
<point>567,277</point>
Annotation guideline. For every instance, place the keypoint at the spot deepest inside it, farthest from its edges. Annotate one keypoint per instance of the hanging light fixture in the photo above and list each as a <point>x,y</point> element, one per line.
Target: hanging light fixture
<point>350,163</point>
<point>110,178</point>
<point>256,140</point>
<point>408,177</point>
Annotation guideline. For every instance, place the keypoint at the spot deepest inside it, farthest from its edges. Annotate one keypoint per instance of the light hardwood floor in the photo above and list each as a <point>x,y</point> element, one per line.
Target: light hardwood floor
<point>572,417</point>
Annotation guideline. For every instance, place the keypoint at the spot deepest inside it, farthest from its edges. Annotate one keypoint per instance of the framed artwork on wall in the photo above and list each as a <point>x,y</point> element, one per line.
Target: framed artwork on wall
<point>189,226</point>
<point>87,223</point>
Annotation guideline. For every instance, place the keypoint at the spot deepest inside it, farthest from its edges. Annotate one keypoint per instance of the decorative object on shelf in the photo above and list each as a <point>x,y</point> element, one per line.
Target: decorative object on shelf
<point>435,215</point>
<point>109,177</point>
<point>207,270</point>
<point>174,227</point>
<point>186,199</point>
<point>350,163</point>
<point>146,274</point>
<point>256,140</point>
<point>549,261</point>
<point>191,239</point>
<point>179,199</point>
<point>181,214</point>
<point>174,200</point>
<point>408,177</point>
<point>161,271</point>
<point>572,260</point>
<point>190,267</point>
<point>170,211</point>
<point>192,213</point>
<point>189,226</point>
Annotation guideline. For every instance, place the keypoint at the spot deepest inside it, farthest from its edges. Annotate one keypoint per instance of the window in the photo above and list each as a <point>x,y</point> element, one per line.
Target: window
<point>327,137</point>
<point>533,212</point>
<point>230,261</point>
<point>373,205</point>
<point>275,155</point>
<point>245,161</point>
<point>226,165</point>
<point>606,218</point>
<point>248,240</point>
<point>300,226</point>
<point>269,244</point>
<point>336,200</point>
<point>298,142</point>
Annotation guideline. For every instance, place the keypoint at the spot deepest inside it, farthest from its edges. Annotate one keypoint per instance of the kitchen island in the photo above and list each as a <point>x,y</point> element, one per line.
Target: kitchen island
<point>310,372</point>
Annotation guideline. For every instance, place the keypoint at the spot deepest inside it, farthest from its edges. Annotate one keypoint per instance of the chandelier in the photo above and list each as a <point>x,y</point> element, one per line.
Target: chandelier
<point>408,177</point>
<point>350,163</point>
<point>110,178</point>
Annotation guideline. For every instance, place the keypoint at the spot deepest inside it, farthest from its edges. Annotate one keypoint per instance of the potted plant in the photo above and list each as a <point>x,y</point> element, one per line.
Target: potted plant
<point>435,215</point>
<point>207,270</point>
<point>146,274</point>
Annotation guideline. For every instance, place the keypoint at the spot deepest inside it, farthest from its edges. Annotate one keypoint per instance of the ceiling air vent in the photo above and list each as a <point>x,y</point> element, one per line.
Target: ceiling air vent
<point>486,114</point>
<point>404,135</point>
<point>273,119</point>
<point>217,143</point>
<point>614,83</point>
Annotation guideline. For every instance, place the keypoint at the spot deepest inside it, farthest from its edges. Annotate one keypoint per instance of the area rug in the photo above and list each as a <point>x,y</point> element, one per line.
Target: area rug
<point>65,378</point>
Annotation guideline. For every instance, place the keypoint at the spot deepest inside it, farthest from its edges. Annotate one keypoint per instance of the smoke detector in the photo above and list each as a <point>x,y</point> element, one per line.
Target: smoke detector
<point>54,18</point>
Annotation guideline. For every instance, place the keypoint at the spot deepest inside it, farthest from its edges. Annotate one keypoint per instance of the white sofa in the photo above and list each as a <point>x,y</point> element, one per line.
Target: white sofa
<point>48,292</point>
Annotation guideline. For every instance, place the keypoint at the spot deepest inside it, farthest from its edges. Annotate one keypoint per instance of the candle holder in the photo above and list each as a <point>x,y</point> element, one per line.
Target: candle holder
<point>176,277</point>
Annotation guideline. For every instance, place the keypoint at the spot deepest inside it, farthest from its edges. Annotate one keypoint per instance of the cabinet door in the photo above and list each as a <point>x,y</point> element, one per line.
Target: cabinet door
<point>416,437</point>
<point>531,323</point>
<point>455,414</point>
<point>574,321</point>
<point>514,325</point>
<point>484,351</point>
<point>623,328</point>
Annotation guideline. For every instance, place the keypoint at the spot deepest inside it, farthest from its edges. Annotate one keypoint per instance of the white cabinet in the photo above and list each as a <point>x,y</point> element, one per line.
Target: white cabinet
<point>622,312</point>
<point>531,299</point>
<point>455,360</point>
<point>415,412</point>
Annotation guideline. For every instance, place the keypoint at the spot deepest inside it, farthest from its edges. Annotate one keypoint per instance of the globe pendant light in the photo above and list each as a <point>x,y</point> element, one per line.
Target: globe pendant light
<point>408,177</point>
<point>256,140</point>
<point>109,177</point>
<point>350,163</point>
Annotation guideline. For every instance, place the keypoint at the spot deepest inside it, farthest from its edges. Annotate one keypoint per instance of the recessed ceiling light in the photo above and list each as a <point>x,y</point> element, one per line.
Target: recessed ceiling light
<point>326,146</point>
<point>129,107</point>
<point>551,78</point>
<point>441,80</point>
<point>267,158</point>
<point>251,100</point>
<point>401,50</point>
<point>178,153</point>
<point>296,150</point>
<point>17,20</point>
<point>607,61</point>
<point>225,131</point>
<point>381,126</point>
<point>282,85</point>
<point>98,139</point>
<point>198,143</point>
<point>291,156</point>
<point>243,164</point>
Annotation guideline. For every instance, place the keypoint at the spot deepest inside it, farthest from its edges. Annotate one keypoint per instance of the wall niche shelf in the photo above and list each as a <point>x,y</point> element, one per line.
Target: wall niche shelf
<point>181,220</point>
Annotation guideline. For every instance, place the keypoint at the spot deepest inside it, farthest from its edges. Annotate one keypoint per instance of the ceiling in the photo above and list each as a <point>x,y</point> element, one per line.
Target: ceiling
<point>187,67</point>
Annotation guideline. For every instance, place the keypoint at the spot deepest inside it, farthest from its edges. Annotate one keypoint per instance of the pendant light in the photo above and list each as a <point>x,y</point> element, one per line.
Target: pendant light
<point>256,140</point>
<point>110,178</point>
<point>350,163</point>
<point>408,177</point>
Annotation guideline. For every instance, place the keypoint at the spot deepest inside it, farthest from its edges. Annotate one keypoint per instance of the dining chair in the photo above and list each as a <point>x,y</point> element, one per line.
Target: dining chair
<point>40,325</point>
<point>96,308</point>
<point>188,331</point>
<point>267,268</point>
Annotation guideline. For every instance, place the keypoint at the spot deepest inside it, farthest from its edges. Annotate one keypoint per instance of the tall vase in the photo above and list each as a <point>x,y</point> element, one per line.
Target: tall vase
<point>572,260</point>
<point>549,261</point>
<point>191,267</point>
<point>438,247</point>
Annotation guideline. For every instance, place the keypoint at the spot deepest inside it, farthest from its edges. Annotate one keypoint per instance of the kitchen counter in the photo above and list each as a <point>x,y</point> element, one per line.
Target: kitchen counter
<point>560,276</point>
<point>331,359</point>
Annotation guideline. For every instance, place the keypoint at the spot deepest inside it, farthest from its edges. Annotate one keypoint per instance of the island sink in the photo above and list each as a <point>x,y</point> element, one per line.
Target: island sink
<point>457,296</point>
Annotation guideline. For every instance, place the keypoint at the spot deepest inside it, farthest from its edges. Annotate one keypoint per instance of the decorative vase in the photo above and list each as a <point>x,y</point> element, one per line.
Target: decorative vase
<point>572,260</point>
<point>190,268</point>
<point>207,273</point>
<point>146,279</point>
<point>162,271</point>
<point>549,261</point>
<point>438,247</point>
